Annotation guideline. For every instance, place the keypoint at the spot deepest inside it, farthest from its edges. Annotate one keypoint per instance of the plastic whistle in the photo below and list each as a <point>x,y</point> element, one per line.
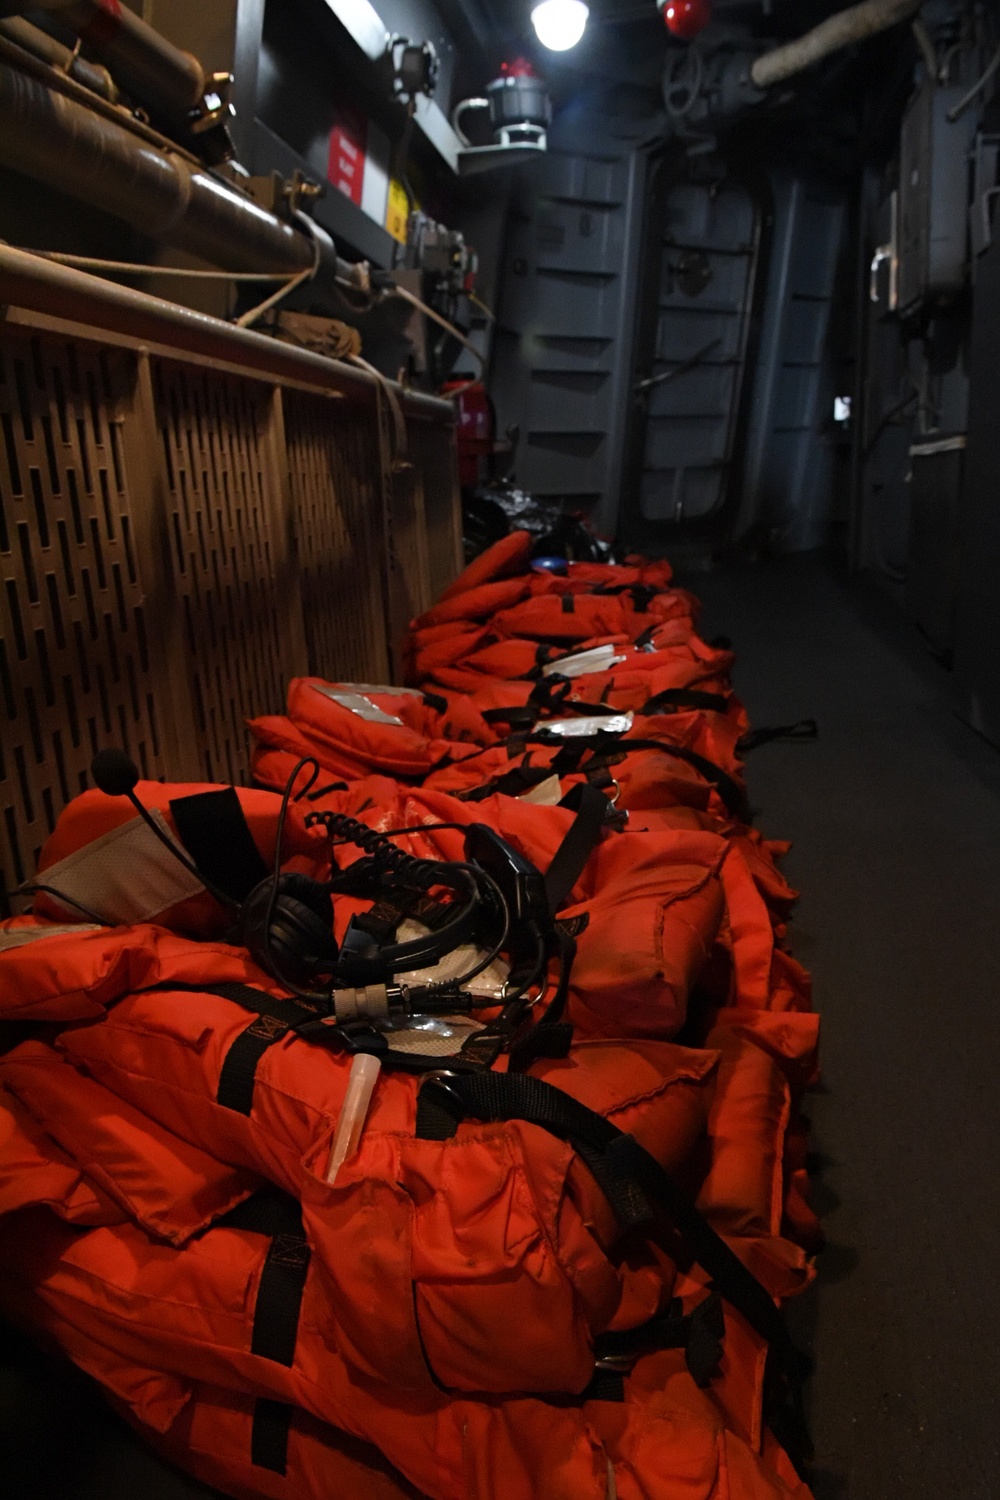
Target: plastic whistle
<point>354,1111</point>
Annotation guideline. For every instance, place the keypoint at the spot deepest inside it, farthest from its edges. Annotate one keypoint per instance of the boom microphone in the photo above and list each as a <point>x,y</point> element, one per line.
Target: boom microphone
<point>116,774</point>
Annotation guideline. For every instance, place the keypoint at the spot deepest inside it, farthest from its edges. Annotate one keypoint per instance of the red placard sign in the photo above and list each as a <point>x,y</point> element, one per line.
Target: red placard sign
<point>346,165</point>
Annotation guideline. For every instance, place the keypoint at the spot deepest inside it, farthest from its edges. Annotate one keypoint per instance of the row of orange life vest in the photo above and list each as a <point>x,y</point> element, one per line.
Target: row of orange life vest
<point>556,1278</point>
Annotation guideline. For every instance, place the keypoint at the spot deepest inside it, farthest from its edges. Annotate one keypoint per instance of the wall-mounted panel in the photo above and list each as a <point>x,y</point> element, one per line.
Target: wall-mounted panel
<point>180,535</point>
<point>235,570</point>
<point>333,468</point>
<point>78,642</point>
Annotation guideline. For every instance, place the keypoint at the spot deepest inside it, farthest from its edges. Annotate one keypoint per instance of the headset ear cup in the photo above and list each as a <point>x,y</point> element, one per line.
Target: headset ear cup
<point>300,943</point>
<point>310,893</point>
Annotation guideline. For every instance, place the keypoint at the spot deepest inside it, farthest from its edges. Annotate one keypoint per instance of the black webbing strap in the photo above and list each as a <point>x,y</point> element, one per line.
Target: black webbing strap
<point>582,838</point>
<point>273,1019</point>
<point>272,1421</point>
<point>568,604</point>
<point>631,1179</point>
<point>733,795</point>
<point>684,698</point>
<point>321,791</point>
<point>805,729</point>
<point>643,595</point>
<point>215,833</point>
<point>522,777</point>
<point>549,695</point>
<point>605,1385</point>
<point>512,783</point>
<point>283,1276</point>
<point>518,717</point>
<point>699,1333</point>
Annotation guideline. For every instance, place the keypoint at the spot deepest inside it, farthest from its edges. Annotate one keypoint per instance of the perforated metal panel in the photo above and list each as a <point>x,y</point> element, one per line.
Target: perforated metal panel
<point>232,551</point>
<point>333,465</point>
<point>76,669</point>
<point>437,465</point>
<point>178,538</point>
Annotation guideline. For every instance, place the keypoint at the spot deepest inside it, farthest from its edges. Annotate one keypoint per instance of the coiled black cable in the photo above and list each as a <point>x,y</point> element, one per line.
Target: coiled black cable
<point>386,855</point>
<point>388,859</point>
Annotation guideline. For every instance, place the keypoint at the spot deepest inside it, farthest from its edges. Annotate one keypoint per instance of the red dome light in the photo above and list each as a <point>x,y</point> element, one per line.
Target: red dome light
<point>686,18</point>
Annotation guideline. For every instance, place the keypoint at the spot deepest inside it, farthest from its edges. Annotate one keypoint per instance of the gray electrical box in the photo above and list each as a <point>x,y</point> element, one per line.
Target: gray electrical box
<point>933,197</point>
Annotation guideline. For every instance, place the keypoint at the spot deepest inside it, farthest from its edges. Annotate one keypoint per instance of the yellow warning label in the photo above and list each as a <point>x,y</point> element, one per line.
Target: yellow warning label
<point>396,211</point>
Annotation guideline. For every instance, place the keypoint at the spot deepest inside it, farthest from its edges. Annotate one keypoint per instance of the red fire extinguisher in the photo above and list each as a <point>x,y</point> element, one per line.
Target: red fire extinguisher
<point>476,427</point>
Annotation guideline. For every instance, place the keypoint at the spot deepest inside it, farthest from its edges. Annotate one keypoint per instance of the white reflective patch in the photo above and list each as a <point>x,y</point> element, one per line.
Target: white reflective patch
<point>16,937</point>
<point>126,875</point>
<point>547,793</point>
<point>575,728</point>
<point>357,703</point>
<point>437,1036</point>
<point>380,687</point>
<point>597,659</point>
<point>488,986</point>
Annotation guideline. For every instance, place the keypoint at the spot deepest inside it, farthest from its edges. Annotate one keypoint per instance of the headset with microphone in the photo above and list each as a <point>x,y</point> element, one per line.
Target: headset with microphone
<point>286,920</point>
<point>294,940</point>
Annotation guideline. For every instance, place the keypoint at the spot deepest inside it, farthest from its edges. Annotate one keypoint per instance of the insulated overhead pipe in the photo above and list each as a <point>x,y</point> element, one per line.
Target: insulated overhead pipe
<point>148,67</point>
<point>38,42</point>
<point>837,31</point>
<point>76,151</point>
<point>38,285</point>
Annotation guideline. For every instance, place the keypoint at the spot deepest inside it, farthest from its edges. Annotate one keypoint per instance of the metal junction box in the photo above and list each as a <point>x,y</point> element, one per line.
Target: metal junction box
<point>933,197</point>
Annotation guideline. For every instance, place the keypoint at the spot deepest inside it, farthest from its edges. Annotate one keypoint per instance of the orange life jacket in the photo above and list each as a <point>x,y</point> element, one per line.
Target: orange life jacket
<point>483,602</point>
<point>708,721</point>
<point>190,1307</point>
<point>506,558</point>
<point>584,617</point>
<point>260,1099</point>
<point>510,557</point>
<point>637,1435</point>
<point>662,889</point>
<point>689,663</point>
<point>101,849</point>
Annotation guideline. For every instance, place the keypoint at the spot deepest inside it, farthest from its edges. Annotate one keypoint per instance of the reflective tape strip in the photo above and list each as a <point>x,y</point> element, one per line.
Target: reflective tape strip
<point>381,687</point>
<point>16,937</point>
<point>547,793</point>
<point>940,445</point>
<point>596,659</point>
<point>580,728</point>
<point>124,876</point>
<point>358,704</point>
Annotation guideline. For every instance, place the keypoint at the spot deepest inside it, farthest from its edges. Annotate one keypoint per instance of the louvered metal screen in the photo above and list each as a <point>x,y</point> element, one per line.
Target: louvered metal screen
<point>75,632</point>
<point>177,539</point>
<point>232,553</point>
<point>333,465</point>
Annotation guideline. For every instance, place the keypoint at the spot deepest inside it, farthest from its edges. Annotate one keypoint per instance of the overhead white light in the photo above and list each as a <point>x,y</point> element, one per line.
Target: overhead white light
<point>559,24</point>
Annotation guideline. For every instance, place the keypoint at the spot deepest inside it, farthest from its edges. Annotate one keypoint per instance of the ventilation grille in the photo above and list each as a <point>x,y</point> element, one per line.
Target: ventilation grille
<point>178,539</point>
<point>75,665</point>
<point>436,464</point>
<point>231,549</point>
<point>333,466</point>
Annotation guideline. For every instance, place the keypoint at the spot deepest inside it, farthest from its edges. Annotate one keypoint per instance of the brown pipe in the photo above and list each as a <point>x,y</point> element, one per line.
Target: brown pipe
<point>28,281</point>
<point>837,31</point>
<point>61,83</point>
<point>38,42</point>
<point>151,69</point>
<point>162,194</point>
